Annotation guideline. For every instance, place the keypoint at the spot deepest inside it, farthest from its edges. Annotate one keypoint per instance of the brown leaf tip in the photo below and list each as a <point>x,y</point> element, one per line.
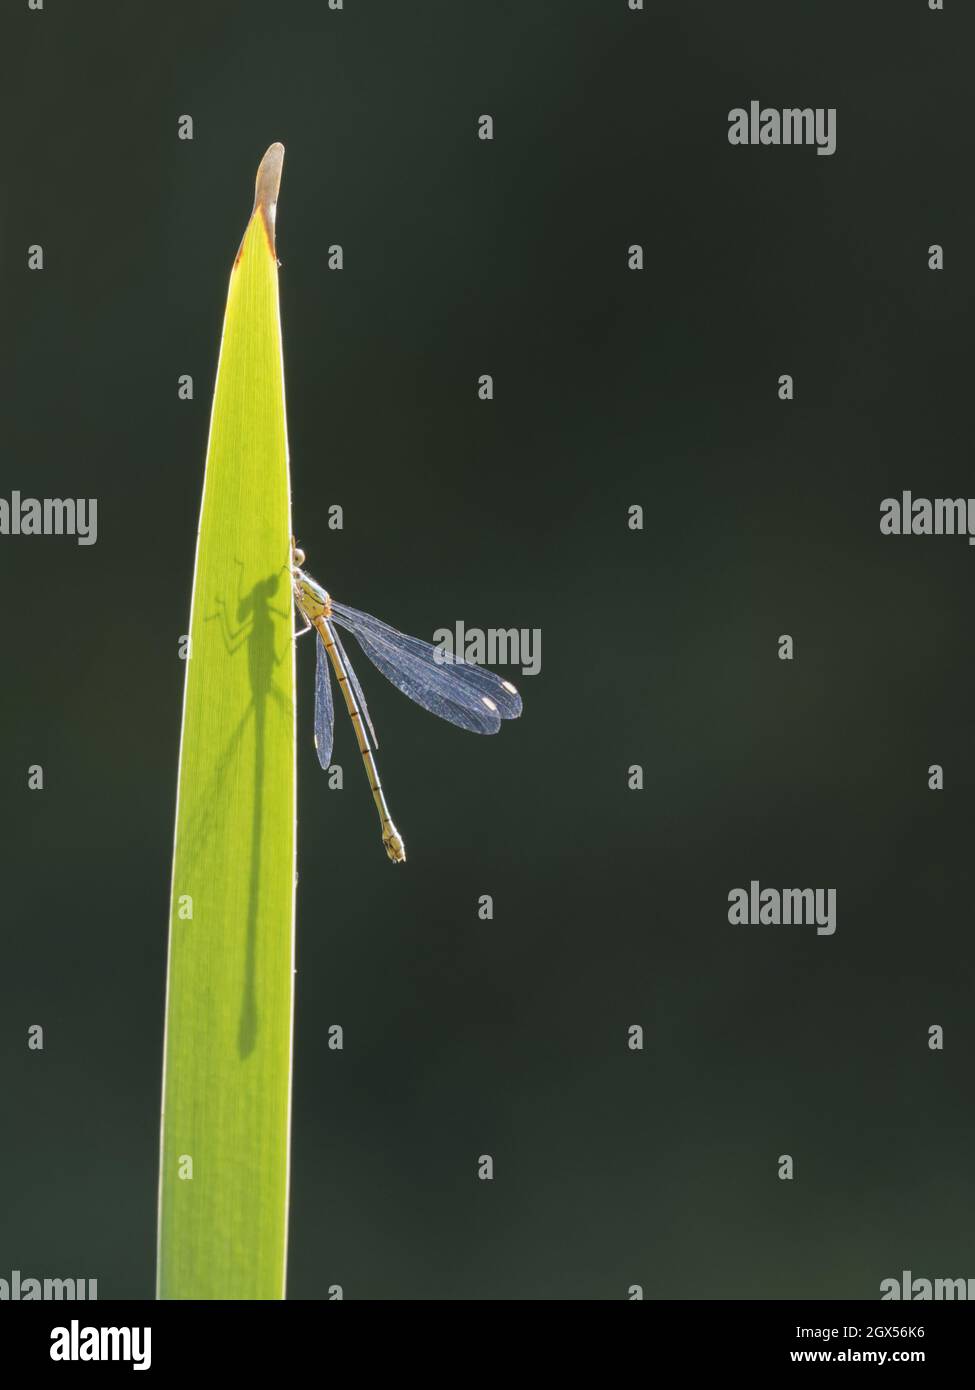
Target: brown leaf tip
<point>266,187</point>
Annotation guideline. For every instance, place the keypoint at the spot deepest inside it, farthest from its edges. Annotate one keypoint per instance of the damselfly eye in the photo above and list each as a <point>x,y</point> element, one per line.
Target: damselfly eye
<point>299,557</point>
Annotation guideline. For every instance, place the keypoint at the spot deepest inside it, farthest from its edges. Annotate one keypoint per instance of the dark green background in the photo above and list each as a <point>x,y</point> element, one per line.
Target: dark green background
<point>659,647</point>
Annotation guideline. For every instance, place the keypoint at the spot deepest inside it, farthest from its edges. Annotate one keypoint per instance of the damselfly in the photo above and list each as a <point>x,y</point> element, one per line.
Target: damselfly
<point>440,681</point>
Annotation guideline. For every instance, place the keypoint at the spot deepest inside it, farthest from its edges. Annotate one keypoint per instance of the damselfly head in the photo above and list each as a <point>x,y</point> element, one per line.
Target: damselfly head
<point>297,554</point>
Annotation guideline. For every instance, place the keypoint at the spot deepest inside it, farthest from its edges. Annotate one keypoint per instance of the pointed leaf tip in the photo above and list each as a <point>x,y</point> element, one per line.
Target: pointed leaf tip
<point>266,187</point>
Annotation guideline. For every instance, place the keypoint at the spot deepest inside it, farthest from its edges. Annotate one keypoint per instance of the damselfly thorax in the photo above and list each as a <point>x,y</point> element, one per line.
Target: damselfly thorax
<point>312,600</point>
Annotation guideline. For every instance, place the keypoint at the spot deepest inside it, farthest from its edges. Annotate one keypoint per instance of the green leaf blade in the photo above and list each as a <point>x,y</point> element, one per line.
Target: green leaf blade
<point>227,1071</point>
